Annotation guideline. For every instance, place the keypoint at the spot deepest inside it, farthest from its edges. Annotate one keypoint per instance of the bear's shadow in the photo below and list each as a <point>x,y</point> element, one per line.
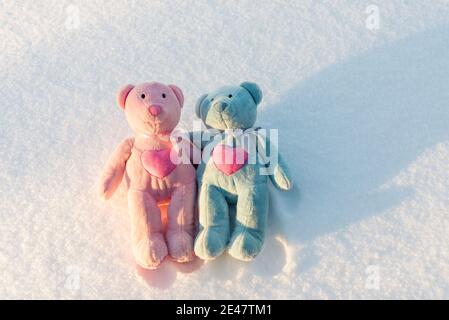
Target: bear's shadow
<point>350,129</point>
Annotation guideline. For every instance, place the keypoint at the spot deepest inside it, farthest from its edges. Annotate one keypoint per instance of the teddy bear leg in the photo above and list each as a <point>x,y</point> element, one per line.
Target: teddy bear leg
<point>248,235</point>
<point>214,223</point>
<point>148,242</point>
<point>181,224</point>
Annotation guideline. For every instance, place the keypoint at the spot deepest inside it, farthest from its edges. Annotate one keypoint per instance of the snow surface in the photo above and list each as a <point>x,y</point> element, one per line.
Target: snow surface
<point>363,117</point>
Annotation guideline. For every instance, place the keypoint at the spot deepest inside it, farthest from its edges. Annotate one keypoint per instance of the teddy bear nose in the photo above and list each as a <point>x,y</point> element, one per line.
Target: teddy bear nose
<point>155,110</point>
<point>220,105</point>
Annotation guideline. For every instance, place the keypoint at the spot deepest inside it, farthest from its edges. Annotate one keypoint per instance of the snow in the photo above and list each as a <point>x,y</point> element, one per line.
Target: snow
<point>363,118</point>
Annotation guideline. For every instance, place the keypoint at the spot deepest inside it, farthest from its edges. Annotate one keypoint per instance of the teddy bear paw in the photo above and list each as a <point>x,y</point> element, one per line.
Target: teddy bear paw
<point>209,244</point>
<point>180,246</point>
<point>245,246</point>
<point>150,252</point>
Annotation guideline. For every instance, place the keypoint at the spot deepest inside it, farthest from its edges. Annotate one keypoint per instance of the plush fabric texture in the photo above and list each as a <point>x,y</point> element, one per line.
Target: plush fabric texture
<point>227,183</point>
<point>152,179</point>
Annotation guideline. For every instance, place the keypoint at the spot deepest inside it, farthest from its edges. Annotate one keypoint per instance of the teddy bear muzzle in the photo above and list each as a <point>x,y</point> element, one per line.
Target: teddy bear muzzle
<point>155,110</point>
<point>220,106</point>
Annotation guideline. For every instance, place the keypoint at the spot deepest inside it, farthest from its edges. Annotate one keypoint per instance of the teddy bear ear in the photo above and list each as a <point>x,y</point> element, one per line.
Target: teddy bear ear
<point>178,93</point>
<point>198,105</point>
<point>123,94</point>
<point>254,90</point>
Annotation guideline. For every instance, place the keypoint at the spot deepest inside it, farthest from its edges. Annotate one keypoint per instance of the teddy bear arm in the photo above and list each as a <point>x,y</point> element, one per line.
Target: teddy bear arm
<point>280,176</point>
<point>115,168</point>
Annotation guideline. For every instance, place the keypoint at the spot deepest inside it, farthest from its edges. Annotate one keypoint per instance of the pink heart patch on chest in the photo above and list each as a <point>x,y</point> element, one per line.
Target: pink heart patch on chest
<point>229,160</point>
<point>157,162</point>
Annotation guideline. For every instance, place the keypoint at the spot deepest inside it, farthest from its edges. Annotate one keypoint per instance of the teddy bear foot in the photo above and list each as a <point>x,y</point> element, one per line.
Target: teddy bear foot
<point>150,252</point>
<point>180,246</point>
<point>245,246</point>
<point>209,244</point>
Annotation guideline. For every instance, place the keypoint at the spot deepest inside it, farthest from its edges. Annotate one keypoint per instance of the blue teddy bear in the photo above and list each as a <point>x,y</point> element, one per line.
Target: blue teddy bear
<point>231,173</point>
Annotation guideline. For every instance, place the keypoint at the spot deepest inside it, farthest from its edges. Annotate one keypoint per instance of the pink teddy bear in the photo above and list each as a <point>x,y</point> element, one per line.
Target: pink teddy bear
<point>153,110</point>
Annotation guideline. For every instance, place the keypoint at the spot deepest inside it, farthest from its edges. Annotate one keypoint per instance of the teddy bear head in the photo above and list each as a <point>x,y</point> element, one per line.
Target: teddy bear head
<point>230,107</point>
<point>151,108</point>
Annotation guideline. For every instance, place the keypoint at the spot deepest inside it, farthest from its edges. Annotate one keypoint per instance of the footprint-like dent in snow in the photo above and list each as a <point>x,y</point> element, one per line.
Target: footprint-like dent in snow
<point>273,259</point>
<point>276,258</point>
<point>226,267</point>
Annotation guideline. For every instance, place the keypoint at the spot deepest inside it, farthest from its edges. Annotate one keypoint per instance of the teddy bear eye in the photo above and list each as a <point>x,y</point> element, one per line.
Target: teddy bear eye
<point>230,96</point>
<point>211,99</point>
<point>163,95</point>
<point>142,95</point>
